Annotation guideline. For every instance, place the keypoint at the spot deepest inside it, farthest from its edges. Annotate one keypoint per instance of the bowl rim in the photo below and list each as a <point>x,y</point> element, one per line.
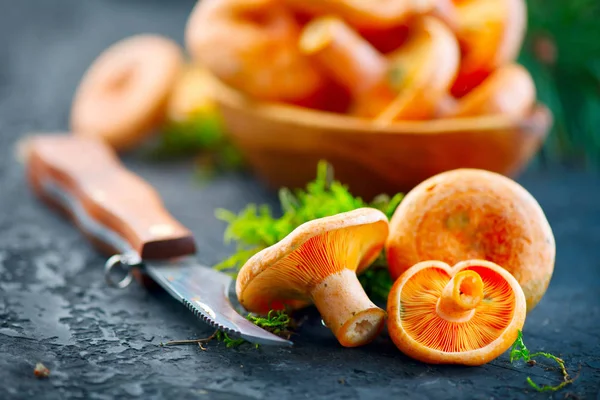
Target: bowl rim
<point>537,122</point>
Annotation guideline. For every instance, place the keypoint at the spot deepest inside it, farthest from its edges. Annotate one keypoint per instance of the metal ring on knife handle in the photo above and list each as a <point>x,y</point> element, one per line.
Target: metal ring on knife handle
<point>128,258</point>
<point>129,261</point>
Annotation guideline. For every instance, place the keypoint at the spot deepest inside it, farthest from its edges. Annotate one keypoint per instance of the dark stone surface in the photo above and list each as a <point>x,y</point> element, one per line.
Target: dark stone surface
<point>102,343</point>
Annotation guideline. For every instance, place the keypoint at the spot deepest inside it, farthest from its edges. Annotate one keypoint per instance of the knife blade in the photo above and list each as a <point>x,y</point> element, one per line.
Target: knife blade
<point>123,215</point>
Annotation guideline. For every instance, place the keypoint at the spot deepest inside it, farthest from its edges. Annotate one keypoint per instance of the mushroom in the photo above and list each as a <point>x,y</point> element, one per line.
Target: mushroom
<point>191,94</point>
<point>318,263</point>
<point>509,90</point>
<point>490,33</point>
<point>122,96</point>
<point>251,45</point>
<point>467,314</point>
<point>404,84</point>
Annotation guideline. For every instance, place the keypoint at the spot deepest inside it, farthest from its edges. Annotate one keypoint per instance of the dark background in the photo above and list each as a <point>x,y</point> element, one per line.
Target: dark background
<point>101,342</point>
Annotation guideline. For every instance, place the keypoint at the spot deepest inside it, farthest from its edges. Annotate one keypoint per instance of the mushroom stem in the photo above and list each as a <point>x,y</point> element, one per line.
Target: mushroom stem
<point>460,297</point>
<point>347,310</point>
<point>352,61</point>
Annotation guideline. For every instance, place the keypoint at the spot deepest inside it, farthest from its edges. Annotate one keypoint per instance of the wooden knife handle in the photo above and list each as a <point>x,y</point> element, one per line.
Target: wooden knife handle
<point>121,204</point>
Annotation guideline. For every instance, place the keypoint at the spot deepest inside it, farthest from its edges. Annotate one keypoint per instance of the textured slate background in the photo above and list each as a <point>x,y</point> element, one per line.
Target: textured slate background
<point>101,342</point>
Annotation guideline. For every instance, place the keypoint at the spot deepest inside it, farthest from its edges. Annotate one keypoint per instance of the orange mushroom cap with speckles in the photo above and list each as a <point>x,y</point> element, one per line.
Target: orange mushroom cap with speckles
<point>317,263</point>
<point>467,314</point>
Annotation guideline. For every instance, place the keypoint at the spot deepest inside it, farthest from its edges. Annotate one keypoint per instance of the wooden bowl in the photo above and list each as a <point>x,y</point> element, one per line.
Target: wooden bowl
<point>283,143</point>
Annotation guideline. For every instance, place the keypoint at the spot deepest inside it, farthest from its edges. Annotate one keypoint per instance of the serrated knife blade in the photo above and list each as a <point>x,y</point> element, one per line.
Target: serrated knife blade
<point>206,293</point>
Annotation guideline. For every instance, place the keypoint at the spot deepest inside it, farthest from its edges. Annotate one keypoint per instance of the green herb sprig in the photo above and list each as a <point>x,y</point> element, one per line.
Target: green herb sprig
<point>255,227</point>
<point>519,351</point>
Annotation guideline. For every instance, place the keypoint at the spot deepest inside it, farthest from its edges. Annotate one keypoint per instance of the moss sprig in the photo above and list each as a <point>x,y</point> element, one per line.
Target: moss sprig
<point>276,321</point>
<point>228,340</point>
<point>256,227</point>
<point>519,351</point>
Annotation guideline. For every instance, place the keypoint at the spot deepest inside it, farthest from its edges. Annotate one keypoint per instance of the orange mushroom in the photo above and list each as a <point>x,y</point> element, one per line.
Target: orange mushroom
<point>468,314</point>
<point>252,46</point>
<point>490,33</point>
<point>509,90</point>
<point>474,214</point>
<point>190,95</point>
<point>123,95</point>
<point>406,84</point>
<point>378,14</point>
<point>317,263</point>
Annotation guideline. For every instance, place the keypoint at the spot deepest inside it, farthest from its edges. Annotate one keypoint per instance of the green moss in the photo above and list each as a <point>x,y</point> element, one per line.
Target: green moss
<point>256,227</point>
<point>277,322</point>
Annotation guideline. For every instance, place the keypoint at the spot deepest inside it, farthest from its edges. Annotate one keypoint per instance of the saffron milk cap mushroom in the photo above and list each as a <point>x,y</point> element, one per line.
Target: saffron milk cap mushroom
<point>467,314</point>
<point>509,90</point>
<point>318,263</point>
<point>405,84</point>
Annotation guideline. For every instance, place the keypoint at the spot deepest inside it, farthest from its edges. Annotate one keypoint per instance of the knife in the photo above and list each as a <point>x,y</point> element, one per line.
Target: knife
<point>122,215</point>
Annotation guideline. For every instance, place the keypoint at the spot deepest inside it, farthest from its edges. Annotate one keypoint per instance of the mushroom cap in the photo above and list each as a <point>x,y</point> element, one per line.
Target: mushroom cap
<point>474,214</point>
<point>508,90</point>
<point>421,71</point>
<point>191,94</point>
<point>420,332</point>
<point>491,34</point>
<point>252,46</point>
<point>122,96</point>
<point>283,275</point>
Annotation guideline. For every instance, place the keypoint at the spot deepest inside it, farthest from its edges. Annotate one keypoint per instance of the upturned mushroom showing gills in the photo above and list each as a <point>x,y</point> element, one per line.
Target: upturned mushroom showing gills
<point>122,96</point>
<point>468,314</point>
<point>474,214</point>
<point>404,84</point>
<point>318,263</point>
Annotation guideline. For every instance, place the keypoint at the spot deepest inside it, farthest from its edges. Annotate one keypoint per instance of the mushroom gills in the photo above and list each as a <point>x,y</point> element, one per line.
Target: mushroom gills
<point>323,267</point>
<point>428,315</point>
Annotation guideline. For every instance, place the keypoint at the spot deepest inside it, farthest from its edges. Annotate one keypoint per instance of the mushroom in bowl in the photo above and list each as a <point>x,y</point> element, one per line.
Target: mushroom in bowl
<point>402,95</point>
<point>282,143</point>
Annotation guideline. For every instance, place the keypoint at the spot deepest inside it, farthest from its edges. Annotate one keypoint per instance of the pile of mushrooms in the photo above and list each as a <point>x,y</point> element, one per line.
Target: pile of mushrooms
<point>466,314</point>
